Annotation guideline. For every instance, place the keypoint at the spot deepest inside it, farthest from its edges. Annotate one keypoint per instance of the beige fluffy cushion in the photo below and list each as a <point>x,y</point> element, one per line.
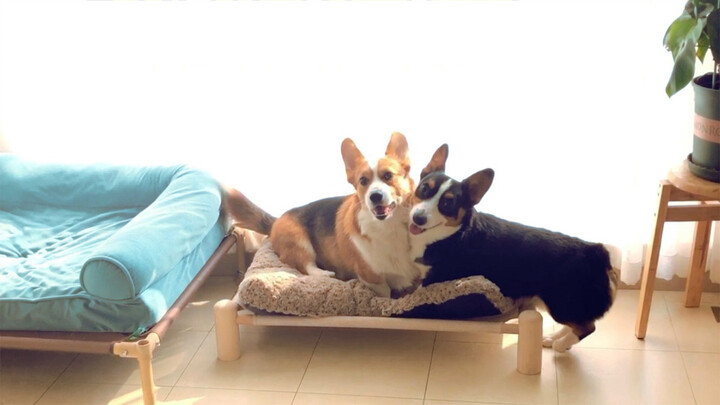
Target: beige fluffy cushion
<point>270,286</point>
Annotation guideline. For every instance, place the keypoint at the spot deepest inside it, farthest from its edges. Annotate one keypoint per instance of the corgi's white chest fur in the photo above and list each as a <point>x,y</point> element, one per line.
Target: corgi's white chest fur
<point>417,250</point>
<point>384,245</point>
<point>418,243</point>
<point>438,229</point>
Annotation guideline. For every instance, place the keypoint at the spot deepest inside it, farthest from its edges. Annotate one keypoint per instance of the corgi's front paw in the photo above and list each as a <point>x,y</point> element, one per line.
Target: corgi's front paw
<point>382,289</point>
<point>316,271</point>
<point>547,341</point>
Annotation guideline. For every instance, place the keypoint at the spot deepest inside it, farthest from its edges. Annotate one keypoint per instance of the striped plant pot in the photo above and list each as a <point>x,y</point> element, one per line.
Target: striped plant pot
<point>705,159</point>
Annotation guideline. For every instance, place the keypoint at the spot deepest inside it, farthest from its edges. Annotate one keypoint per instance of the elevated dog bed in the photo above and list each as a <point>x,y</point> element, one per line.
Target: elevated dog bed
<point>270,291</point>
<point>92,253</point>
<point>271,287</point>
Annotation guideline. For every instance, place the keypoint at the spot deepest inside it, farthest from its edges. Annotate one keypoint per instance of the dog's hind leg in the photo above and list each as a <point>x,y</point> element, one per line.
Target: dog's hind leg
<point>576,333</point>
<point>292,245</point>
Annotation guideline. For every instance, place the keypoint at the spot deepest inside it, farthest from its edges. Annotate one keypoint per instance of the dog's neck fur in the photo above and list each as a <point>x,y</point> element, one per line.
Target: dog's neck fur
<point>418,244</point>
<point>384,245</point>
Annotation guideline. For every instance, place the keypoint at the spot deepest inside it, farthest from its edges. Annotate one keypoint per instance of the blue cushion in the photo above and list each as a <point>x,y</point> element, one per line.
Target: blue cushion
<point>101,247</point>
<point>155,240</point>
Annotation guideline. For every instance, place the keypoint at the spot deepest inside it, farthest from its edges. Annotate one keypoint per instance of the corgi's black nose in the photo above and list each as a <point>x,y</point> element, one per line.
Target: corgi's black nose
<point>376,197</point>
<point>419,218</point>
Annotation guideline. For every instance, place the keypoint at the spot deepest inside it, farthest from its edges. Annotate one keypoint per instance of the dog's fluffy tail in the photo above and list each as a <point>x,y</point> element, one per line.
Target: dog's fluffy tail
<point>600,256</point>
<point>244,212</point>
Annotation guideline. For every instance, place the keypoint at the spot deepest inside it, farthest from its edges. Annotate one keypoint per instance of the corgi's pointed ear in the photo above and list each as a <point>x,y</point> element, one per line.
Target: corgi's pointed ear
<point>478,184</point>
<point>398,149</point>
<point>352,157</point>
<point>437,162</point>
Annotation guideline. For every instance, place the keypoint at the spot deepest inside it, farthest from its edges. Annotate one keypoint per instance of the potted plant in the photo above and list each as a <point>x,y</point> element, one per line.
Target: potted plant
<point>691,35</point>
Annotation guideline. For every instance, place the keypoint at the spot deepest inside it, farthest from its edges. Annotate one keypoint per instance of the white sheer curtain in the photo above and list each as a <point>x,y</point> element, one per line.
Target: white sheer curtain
<point>564,100</point>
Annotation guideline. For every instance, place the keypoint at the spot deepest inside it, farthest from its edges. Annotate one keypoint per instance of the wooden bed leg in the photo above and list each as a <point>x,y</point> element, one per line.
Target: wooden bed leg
<point>144,358</point>
<point>227,333</point>
<point>142,350</point>
<point>529,350</point>
<point>240,250</point>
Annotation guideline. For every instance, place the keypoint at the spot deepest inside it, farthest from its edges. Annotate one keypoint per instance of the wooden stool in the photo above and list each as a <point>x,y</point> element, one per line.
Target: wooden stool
<point>681,186</point>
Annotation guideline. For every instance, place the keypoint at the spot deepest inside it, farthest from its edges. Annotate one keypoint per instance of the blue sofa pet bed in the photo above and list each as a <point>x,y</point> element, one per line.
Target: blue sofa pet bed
<point>90,251</point>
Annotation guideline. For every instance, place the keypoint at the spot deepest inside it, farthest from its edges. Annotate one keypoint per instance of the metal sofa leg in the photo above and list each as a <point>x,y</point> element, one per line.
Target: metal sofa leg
<point>227,333</point>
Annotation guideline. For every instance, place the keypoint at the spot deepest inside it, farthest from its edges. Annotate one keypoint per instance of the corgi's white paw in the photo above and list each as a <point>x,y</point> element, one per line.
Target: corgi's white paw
<point>316,271</point>
<point>382,290</point>
<point>565,343</point>
<point>560,347</point>
<point>548,341</point>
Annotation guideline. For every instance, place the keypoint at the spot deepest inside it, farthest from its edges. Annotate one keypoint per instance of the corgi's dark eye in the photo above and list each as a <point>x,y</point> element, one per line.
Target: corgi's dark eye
<point>424,189</point>
<point>363,181</point>
<point>387,176</point>
<point>445,204</point>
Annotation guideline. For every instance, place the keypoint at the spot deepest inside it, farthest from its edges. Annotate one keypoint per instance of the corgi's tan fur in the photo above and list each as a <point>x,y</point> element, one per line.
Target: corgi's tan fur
<point>363,235</point>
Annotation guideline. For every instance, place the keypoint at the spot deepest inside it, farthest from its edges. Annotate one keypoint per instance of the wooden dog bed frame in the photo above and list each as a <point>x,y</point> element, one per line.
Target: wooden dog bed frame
<point>229,315</point>
<point>120,344</point>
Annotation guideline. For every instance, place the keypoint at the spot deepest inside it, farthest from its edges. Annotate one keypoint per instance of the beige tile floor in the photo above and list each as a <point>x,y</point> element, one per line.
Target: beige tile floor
<point>678,363</point>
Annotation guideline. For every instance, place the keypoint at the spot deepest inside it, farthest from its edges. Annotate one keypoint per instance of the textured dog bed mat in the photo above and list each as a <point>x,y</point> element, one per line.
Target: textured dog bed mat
<point>271,287</point>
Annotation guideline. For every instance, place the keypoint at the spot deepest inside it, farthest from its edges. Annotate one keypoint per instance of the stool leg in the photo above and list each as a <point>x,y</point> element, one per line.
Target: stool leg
<point>698,261</point>
<point>651,262</point>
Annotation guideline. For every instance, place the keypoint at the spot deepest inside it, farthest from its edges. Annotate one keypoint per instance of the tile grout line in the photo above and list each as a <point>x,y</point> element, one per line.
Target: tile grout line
<point>57,378</point>
<point>687,377</point>
<point>432,355</point>
<point>317,343</point>
<point>327,394</point>
<point>210,332</point>
<point>682,358</point>
<point>672,324</point>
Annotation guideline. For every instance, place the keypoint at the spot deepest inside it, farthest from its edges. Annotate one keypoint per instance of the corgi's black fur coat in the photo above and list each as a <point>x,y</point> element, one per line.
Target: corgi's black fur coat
<point>573,278</point>
<point>568,274</point>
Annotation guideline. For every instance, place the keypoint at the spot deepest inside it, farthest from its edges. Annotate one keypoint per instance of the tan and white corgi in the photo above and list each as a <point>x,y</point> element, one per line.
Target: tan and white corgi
<point>363,235</point>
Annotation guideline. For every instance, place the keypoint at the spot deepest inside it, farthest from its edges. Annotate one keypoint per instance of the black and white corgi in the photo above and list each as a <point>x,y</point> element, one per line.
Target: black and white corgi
<point>451,240</point>
<point>362,235</point>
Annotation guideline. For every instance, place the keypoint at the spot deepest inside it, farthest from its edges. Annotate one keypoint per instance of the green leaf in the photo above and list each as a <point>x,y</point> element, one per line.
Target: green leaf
<point>697,8</point>
<point>681,38</point>
<point>684,69</point>
<point>702,46</point>
<point>704,10</point>
<point>713,32</point>
<point>683,30</point>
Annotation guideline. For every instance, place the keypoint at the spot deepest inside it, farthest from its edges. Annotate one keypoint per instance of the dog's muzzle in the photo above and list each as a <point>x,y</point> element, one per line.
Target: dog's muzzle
<point>383,211</point>
<point>419,218</point>
<point>380,211</point>
<point>418,222</point>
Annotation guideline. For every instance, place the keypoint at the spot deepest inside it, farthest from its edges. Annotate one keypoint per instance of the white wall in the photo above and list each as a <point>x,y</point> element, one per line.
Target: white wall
<point>565,100</point>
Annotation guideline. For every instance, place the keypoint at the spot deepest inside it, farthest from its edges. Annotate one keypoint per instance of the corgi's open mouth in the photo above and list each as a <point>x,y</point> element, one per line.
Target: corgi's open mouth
<point>383,211</point>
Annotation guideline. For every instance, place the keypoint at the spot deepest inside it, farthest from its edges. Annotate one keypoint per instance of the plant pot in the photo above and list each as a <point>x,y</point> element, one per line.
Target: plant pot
<point>704,161</point>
